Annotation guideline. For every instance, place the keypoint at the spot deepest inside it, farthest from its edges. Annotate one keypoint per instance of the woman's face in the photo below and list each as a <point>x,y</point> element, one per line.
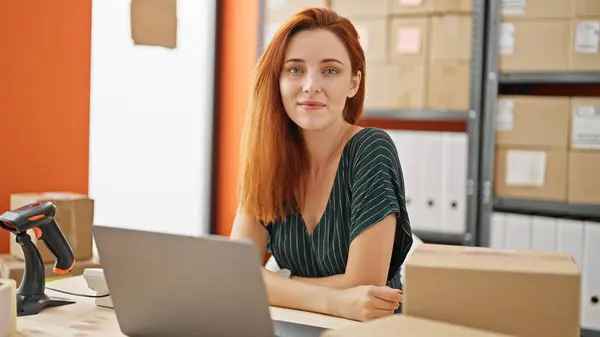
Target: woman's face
<point>316,79</point>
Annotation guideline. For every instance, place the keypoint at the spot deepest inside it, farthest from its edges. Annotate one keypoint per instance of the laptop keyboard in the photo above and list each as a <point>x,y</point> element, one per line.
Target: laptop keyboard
<point>288,329</point>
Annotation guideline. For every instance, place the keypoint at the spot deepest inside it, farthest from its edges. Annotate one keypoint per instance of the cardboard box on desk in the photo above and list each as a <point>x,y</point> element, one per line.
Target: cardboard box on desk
<point>538,9</point>
<point>404,325</point>
<point>523,293</point>
<point>13,268</point>
<point>74,216</point>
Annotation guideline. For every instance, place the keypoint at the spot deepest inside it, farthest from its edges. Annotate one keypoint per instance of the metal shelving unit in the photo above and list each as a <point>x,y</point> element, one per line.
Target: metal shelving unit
<point>547,208</point>
<point>551,77</point>
<point>492,79</point>
<point>471,118</point>
<point>418,115</point>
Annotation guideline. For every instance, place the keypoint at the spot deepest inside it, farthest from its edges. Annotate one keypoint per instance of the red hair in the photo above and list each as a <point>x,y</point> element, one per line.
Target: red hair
<point>274,156</point>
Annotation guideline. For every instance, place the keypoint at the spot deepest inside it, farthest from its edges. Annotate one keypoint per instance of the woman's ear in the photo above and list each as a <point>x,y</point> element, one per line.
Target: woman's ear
<point>355,84</point>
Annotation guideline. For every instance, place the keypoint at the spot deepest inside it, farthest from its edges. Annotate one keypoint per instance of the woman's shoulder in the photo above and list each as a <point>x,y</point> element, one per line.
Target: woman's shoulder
<point>372,142</point>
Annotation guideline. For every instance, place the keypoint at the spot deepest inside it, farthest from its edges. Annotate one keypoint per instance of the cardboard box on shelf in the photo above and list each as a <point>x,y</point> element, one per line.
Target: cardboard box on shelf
<point>74,216</point>
<point>361,9</point>
<point>584,184</point>
<point>409,39</point>
<point>13,268</point>
<point>585,123</point>
<point>522,293</point>
<point>411,7</point>
<point>530,46</point>
<point>585,51</point>
<point>587,8</point>
<point>533,121</point>
<point>453,6</point>
<point>396,86</point>
<point>531,173</point>
<point>281,10</point>
<point>537,9</point>
<point>390,326</point>
<point>449,85</point>
<point>373,38</point>
<point>451,37</point>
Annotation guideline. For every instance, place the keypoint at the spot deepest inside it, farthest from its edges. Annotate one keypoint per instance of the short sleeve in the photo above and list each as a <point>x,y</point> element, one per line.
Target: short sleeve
<point>377,189</point>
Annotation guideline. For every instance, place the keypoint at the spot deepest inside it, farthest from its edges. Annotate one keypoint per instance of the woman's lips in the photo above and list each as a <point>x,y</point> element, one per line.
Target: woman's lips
<point>311,105</point>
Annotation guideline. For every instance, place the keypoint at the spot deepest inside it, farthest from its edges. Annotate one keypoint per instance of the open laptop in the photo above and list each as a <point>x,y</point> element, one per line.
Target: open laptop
<point>174,285</point>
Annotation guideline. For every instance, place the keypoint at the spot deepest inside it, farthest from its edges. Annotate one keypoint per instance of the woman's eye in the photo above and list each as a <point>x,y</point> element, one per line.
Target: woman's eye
<point>331,71</point>
<point>295,70</point>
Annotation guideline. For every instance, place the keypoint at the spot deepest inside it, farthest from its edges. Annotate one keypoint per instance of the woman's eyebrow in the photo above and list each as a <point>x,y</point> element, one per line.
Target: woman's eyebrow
<point>328,60</point>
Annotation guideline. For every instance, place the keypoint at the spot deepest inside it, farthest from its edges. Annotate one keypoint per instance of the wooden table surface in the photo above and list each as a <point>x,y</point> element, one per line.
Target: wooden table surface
<point>85,319</point>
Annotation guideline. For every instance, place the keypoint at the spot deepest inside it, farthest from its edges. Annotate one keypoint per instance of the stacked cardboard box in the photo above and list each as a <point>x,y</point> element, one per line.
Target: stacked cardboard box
<point>584,152</point>
<point>548,148</point>
<point>542,35</point>
<point>278,11</point>
<point>418,51</point>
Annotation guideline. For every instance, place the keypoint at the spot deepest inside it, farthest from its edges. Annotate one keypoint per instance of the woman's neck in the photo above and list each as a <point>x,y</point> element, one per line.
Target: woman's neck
<point>324,145</point>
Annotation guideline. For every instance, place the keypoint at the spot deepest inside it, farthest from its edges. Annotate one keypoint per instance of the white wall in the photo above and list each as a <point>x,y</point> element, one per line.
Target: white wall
<point>151,122</point>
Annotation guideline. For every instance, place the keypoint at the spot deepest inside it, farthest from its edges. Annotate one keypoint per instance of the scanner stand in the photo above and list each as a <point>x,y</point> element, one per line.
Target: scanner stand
<point>31,298</point>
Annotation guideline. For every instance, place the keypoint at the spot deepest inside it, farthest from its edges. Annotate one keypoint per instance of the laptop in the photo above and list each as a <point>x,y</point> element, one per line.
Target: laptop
<point>173,285</point>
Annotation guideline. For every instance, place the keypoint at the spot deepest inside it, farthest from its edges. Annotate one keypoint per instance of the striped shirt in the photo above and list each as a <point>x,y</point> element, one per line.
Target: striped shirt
<point>368,186</point>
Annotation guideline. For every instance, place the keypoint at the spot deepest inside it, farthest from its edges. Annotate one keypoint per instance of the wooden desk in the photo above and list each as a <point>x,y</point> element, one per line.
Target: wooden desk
<point>84,318</point>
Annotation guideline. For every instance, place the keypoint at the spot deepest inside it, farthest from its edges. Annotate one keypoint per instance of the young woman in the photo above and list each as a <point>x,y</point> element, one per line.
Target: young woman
<point>323,195</point>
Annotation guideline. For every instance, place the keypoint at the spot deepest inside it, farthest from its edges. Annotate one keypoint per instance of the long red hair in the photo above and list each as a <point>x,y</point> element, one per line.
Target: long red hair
<point>275,160</point>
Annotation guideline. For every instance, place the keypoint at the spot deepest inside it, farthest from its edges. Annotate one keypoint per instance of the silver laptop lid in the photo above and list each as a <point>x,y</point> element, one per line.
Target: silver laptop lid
<point>172,285</point>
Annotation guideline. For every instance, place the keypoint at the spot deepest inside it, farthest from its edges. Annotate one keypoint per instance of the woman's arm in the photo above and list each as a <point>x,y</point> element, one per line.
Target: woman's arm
<point>283,292</point>
<point>358,303</point>
<point>368,258</point>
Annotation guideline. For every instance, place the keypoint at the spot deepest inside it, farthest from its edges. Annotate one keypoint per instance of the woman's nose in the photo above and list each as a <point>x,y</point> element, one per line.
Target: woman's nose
<point>312,83</point>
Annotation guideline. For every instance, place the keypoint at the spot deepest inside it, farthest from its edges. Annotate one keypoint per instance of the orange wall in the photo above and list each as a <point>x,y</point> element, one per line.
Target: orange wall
<point>237,57</point>
<point>44,98</point>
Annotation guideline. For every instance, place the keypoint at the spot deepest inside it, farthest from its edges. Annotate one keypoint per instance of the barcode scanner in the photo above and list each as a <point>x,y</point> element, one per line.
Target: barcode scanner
<point>39,217</point>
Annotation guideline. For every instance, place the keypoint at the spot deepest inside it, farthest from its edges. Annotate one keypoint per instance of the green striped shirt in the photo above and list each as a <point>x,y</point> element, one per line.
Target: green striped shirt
<point>368,186</point>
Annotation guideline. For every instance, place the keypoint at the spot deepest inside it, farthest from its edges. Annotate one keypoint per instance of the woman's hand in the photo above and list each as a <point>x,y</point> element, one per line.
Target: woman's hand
<point>364,303</point>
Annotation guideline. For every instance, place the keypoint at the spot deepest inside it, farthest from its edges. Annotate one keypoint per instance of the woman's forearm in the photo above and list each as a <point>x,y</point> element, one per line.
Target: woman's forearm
<point>340,281</point>
<point>289,293</point>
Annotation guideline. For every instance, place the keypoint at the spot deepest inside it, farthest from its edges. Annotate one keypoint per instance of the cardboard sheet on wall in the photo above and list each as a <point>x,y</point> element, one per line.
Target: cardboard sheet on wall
<point>154,23</point>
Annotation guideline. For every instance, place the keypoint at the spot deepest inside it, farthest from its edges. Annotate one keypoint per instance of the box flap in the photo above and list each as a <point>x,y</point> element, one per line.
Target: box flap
<point>488,259</point>
<point>409,326</point>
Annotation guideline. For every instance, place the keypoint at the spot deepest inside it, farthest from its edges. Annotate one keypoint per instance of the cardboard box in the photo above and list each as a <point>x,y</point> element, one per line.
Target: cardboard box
<point>13,268</point>
<point>451,37</point>
<point>404,325</point>
<point>587,8</point>
<point>529,46</point>
<point>585,123</point>
<point>533,121</point>
<point>409,39</point>
<point>523,293</point>
<point>373,34</point>
<point>410,7</point>
<point>585,51</point>
<point>584,178</point>
<point>375,9</point>
<point>154,22</point>
<point>531,173</point>
<point>281,10</point>
<point>449,85</point>
<point>537,9</point>
<point>74,216</point>
<point>396,86</point>
<point>453,6</point>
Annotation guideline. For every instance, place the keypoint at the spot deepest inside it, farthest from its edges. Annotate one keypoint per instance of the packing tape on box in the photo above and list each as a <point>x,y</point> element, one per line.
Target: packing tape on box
<point>8,307</point>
